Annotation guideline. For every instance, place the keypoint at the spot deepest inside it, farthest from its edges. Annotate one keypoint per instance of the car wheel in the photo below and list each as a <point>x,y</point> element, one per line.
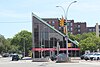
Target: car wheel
<point>12,60</point>
<point>97,58</point>
<point>91,59</point>
<point>81,58</point>
<point>86,59</point>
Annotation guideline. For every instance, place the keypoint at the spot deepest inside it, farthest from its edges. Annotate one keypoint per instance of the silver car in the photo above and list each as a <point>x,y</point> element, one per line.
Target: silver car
<point>88,56</point>
<point>95,56</point>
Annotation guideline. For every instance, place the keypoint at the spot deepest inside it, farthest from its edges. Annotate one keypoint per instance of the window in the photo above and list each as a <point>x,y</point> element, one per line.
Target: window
<point>93,30</point>
<point>49,22</point>
<point>71,32</point>
<point>71,29</point>
<point>90,30</point>
<point>78,26</point>
<point>78,30</point>
<point>71,24</point>
<point>53,23</point>
<point>59,28</point>
<point>67,24</point>
<point>68,29</point>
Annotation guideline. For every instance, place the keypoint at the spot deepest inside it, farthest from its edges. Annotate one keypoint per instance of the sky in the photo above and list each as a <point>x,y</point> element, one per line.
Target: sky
<point>15,15</point>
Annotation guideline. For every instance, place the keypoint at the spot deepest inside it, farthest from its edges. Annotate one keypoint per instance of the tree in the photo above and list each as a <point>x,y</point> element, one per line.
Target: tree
<point>87,44</point>
<point>2,39</point>
<point>87,41</point>
<point>23,40</point>
<point>10,48</point>
<point>3,44</point>
<point>97,42</point>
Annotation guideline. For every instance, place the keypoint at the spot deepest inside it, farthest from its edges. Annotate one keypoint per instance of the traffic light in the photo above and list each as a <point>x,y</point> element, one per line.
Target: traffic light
<point>62,22</point>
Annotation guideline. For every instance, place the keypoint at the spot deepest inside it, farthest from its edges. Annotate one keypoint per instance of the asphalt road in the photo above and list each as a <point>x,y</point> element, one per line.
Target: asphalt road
<point>6,62</point>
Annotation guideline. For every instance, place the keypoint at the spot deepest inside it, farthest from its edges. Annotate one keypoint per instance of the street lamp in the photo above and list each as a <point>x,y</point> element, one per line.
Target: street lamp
<point>63,10</point>
<point>68,9</point>
<point>65,15</point>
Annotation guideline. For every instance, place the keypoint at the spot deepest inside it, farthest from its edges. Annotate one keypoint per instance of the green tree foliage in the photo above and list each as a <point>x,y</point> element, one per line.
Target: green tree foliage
<point>4,44</point>
<point>11,48</point>
<point>87,44</point>
<point>21,40</point>
<point>87,41</point>
<point>1,42</point>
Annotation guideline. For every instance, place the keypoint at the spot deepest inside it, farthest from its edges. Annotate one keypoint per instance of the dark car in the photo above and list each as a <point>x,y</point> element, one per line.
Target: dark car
<point>5,55</point>
<point>15,57</point>
<point>53,57</point>
<point>61,58</point>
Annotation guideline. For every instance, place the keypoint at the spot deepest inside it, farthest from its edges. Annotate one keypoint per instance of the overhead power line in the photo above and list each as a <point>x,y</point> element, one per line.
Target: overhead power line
<point>15,21</point>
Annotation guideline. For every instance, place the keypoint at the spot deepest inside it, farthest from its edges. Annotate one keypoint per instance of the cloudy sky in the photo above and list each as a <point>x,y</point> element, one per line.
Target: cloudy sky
<point>15,15</point>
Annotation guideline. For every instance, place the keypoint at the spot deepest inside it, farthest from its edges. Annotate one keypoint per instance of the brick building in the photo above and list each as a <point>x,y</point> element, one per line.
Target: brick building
<point>70,26</point>
<point>79,28</point>
<point>91,29</point>
<point>73,27</point>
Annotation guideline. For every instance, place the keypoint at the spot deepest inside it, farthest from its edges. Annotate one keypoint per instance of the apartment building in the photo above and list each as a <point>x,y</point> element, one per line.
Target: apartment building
<point>79,28</point>
<point>72,27</point>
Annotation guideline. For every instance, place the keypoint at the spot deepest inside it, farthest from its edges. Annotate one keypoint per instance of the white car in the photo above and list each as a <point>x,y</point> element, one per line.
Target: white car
<point>89,56</point>
<point>96,57</point>
<point>0,56</point>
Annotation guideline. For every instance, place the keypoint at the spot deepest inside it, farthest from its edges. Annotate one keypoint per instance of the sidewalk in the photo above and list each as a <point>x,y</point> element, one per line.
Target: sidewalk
<point>75,58</point>
<point>26,58</point>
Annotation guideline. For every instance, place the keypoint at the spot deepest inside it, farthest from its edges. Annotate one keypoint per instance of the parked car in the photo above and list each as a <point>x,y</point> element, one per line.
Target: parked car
<point>0,55</point>
<point>15,57</point>
<point>95,56</point>
<point>61,58</point>
<point>53,57</point>
<point>5,55</point>
<point>83,56</point>
<point>87,57</point>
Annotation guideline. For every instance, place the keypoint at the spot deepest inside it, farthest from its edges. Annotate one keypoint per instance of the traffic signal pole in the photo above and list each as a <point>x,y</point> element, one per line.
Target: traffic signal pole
<point>65,14</point>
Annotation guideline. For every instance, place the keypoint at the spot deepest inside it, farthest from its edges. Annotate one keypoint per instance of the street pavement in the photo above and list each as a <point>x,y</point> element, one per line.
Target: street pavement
<point>6,62</point>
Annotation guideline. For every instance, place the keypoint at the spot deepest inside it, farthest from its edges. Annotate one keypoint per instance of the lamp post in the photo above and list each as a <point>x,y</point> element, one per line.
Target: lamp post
<point>65,15</point>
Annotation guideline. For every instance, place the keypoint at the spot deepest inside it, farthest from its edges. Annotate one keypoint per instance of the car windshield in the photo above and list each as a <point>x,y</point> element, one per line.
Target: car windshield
<point>97,54</point>
<point>62,55</point>
<point>90,54</point>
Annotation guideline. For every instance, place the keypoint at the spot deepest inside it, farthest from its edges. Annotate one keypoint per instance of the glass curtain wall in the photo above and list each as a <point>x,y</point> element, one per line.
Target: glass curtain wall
<point>45,39</point>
